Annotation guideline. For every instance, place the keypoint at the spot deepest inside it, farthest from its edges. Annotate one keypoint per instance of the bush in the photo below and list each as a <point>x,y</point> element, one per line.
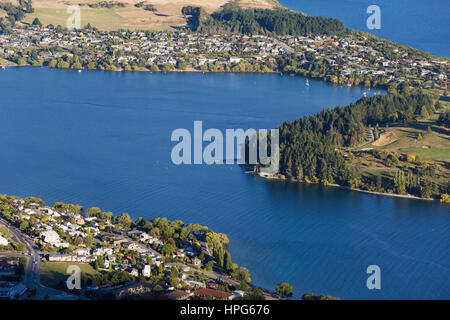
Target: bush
<point>445,198</point>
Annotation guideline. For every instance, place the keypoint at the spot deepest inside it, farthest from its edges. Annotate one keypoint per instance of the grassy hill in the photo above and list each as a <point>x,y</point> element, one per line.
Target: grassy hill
<point>124,14</point>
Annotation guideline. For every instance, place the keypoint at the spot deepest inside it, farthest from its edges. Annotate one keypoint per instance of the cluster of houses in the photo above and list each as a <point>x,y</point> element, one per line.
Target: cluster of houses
<point>160,48</point>
<point>131,251</point>
<point>143,291</point>
<point>351,55</point>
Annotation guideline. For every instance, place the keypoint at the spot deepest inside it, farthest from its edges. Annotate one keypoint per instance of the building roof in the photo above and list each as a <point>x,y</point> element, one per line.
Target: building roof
<point>216,294</point>
<point>177,294</point>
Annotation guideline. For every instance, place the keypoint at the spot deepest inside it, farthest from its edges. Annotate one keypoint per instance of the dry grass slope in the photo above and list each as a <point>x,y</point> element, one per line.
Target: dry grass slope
<point>167,16</point>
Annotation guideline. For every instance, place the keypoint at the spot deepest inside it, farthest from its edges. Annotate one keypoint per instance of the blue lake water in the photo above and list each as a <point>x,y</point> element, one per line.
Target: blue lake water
<point>421,24</point>
<point>99,138</point>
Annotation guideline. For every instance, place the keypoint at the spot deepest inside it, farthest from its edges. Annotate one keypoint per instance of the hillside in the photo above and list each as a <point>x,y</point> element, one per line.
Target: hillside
<point>124,14</point>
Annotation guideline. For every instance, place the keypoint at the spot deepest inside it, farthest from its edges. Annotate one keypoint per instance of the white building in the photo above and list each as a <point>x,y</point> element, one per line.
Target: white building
<point>3,241</point>
<point>50,237</point>
<point>102,251</point>
<point>82,251</point>
<point>134,272</point>
<point>235,60</point>
<point>147,271</point>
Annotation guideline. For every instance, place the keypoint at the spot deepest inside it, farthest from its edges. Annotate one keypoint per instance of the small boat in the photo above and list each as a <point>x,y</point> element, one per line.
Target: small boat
<point>365,94</point>
<point>79,70</point>
<point>307,82</point>
<point>3,67</point>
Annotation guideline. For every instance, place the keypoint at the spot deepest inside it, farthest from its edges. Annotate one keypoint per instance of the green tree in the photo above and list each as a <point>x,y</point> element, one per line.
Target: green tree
<point>78,241</point>
<point>89,241</point>
<point>125,220</point>
<point>376,132</point>
<point>93,212</point>
<point>24,225</point>
<point>400,182</point>
<point>36,22</point>
<point>284,289</point>
<point>228,265</point>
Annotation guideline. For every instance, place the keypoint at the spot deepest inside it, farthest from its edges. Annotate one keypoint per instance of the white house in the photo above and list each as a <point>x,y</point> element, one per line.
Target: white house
<point>134,272</point>
<point>235,60</point>
<point>82,251</point>
<point>62,244</point>
<point>50,237</point>
<point>144,237</point>
<point>147,271</point>
<point>3,241</point>
<point>102,251</point>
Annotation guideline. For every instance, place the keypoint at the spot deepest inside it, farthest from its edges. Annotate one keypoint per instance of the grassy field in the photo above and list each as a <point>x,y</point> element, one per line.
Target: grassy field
<point>101,18</point>
<point>426,141</point>
<point>167,16</point>
<point>52,273</point>
<point>434,145</point>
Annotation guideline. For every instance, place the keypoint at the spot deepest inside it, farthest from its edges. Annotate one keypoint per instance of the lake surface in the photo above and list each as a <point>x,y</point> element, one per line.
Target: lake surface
<point>421,24</point>
<point>99,138</point>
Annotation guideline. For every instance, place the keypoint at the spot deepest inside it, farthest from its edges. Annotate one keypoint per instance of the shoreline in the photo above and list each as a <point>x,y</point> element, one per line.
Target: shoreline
<point>404,196</point>
<point>144,70</point>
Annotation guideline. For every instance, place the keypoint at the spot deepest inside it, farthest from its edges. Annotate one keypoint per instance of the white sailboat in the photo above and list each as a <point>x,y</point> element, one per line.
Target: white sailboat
<point>307,82</point>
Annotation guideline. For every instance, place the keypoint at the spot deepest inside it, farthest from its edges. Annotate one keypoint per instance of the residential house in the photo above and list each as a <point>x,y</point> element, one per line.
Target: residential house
<point>205,293</point>
<point>3,241</point>
<point>147,271</point>
<point>82,251</point>
<point>50,237</point>
<point>178,295</point>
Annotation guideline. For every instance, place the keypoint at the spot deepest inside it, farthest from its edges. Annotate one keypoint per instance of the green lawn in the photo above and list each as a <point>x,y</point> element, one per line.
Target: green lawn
<point>429,153</point>
<point>52,273</point>
<point>5,232</point>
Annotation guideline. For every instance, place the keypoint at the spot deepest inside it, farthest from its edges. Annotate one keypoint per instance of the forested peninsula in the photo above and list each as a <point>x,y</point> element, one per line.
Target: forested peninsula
<point>361,146</point>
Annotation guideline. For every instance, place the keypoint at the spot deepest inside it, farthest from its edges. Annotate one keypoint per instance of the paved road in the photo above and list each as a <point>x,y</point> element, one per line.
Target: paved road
<point>370,139</point>
<point>33,268</point>
<point>284,46</point>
